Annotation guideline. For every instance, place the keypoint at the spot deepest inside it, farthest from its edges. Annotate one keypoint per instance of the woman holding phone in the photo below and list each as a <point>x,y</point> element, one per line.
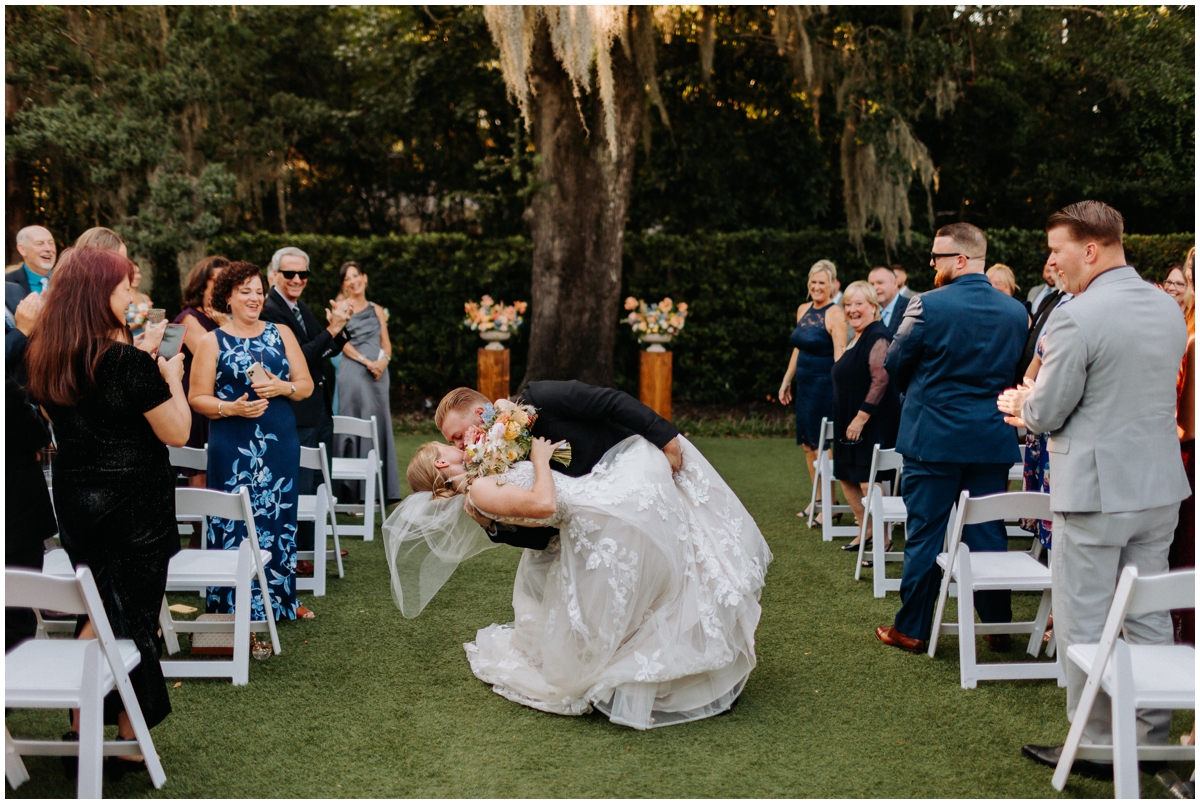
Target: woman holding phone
<point>242,376</point>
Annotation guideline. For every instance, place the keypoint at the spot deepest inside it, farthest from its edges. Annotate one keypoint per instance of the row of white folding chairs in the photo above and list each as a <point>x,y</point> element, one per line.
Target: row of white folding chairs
<point>72,674</point>
<point>192,569</point>
<point>316,508</point>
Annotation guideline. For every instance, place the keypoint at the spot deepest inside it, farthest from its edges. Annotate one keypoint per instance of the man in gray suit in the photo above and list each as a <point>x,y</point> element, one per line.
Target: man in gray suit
<point>1106,396</point>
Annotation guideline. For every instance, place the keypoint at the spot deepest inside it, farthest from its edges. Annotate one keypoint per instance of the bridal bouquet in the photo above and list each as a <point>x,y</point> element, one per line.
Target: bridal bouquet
<point>486,315</point>
<point>504,439</point>
<point>664,318</point>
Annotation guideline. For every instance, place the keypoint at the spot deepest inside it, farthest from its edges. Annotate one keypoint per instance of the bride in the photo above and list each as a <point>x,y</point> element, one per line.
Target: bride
<point>644,607</point>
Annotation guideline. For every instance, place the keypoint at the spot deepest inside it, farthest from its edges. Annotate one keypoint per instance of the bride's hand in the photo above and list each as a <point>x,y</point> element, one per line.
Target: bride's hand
<point>542,450</point>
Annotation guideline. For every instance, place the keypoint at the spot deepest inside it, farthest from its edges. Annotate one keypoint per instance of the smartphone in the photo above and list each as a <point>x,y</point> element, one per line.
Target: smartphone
<point>256,373</point>
<point>172,341</point>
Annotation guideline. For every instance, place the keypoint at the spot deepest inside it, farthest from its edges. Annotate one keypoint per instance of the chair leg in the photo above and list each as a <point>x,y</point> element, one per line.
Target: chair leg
<point>369,510</point>
<point>243,594</point>
<point>319,552</point>
<point>880,568</point>
<point>167,623</point>
<point>862,536</point>
<point>1039,625</point>
<point>14,767</point>
<point>1124,726</point>
<point>968,678</point>
<point>382,502</point>
<point>91,727</point>
<point>337,544</point>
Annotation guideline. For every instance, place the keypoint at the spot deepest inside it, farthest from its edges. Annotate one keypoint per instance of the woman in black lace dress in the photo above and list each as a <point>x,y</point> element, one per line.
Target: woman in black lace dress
<point>866,407</point>
<point>113,408</point>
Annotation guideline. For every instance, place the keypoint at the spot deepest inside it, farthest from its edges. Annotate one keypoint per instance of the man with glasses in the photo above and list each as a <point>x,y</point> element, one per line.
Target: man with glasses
<point>288,275</point>
<point>956,349</point>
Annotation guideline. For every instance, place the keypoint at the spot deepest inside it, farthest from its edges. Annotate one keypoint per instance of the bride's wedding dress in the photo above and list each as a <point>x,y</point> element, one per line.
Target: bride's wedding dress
<point>645,607</point>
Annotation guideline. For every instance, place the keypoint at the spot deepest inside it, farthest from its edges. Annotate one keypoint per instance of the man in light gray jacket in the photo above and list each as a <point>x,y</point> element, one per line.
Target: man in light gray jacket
<point>1106,396</point>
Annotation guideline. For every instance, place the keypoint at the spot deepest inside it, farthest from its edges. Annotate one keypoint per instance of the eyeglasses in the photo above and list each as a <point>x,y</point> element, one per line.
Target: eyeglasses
<point>1172,284</point>
<point>290,275</point>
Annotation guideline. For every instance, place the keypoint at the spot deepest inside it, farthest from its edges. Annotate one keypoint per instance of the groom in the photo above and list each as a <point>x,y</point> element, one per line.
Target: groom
<point>592,419</point>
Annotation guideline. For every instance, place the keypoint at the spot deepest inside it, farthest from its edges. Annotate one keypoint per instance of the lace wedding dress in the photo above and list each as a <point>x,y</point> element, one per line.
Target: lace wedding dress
<point>645,606</point>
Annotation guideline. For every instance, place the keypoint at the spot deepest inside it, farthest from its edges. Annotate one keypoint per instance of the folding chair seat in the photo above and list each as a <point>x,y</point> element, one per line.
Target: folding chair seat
<point>984,571</point>
<point>190,569</point>
<point>319,509</point>
<point>1134,677</point>
<point>72,674</point>
<point>369,470</point>
<point>883,512</point>
<point>823,480</point>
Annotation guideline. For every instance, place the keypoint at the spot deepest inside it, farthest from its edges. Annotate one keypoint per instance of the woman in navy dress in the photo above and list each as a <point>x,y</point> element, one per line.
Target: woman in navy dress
<point>252,439</point>
<point>818,340</point>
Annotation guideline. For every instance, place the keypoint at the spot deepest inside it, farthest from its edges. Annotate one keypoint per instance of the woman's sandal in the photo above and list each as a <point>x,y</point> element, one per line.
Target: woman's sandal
<point>115,767</point>
<point>305,613</point>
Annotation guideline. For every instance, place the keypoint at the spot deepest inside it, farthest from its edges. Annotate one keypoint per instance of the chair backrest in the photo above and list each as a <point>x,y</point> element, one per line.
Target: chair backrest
<point>826,436</point>
<point>884,460</point>
<point>1173,590</point>
<point>310,458</point>
<point>348,425</point>
<point>977,510</point>
<point>27,589</point>
<point>189,458</point>
<point>209,502</point>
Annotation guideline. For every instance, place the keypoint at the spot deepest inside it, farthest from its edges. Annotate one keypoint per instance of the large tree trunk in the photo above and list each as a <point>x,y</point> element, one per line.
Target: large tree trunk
<point>577,220</point>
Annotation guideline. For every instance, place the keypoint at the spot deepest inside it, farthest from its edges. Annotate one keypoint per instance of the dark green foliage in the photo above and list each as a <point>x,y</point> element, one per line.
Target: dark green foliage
<point>742,289</point>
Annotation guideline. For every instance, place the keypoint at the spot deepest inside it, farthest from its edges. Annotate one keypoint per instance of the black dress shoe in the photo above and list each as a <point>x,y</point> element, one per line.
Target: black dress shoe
<point>70,762</point>
<point>1049,755</point>
<point>1000,643</point>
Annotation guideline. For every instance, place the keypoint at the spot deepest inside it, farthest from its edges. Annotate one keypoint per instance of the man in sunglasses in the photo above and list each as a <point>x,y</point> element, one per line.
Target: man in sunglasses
<point>956,349</point>
<point>288,275</point>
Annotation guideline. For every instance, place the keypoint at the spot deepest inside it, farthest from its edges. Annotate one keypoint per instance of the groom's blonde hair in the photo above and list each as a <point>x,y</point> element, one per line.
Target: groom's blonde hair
<point>422,475</point>
<point>458,399</point>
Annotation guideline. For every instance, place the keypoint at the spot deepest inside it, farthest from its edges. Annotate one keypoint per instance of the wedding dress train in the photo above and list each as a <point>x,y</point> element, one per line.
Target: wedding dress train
<point>646,605</point>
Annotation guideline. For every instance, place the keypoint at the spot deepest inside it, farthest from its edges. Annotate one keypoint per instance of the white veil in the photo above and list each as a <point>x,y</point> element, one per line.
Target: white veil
<point>426,539</point>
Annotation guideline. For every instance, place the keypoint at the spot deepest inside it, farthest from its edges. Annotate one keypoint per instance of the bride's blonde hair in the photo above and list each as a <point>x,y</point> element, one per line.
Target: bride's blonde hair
<point>422,475</point>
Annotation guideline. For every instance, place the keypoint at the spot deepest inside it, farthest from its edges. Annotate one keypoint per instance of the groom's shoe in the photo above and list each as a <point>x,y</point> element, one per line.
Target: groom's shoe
<point>888,635</point>
<point>1049,755</point>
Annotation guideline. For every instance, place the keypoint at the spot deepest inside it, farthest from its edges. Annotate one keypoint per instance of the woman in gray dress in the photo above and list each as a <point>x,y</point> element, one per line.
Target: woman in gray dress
<point>362,377</point>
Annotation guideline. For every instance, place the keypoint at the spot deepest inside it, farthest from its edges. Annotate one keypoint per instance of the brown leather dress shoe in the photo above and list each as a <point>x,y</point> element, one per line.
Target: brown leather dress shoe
<point>888,635</point>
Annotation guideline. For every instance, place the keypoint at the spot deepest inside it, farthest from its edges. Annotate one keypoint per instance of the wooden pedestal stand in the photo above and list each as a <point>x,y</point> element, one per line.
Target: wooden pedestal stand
<point>493,373</point>
<point>655,386</point>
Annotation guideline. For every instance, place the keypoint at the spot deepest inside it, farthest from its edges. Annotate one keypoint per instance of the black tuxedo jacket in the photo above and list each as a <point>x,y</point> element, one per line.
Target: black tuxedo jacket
<point>594,420</point>
<point>19,279</point>
<point>1040,316</point>
<point>14,339</point>
<point>317,344</point>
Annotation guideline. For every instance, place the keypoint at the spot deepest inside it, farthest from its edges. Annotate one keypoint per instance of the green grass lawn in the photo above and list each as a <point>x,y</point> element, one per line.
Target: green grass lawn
<point>365,703</point>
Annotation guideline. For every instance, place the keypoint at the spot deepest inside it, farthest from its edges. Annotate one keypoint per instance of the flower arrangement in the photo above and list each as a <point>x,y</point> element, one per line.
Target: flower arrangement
<point>488,316</point>
<point>504,439</point>
<point>664,318</point>
<point>135,316</point>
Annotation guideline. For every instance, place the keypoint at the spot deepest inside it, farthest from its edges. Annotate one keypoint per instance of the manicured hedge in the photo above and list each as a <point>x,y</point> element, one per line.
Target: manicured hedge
<point>742,289</point>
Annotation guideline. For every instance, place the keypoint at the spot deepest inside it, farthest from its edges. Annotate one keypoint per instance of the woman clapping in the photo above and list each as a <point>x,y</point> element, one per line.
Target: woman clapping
<point>242,377</point>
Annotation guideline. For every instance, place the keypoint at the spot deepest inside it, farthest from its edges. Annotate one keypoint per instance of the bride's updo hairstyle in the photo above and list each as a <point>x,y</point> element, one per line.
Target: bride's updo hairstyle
<point>422,475</point>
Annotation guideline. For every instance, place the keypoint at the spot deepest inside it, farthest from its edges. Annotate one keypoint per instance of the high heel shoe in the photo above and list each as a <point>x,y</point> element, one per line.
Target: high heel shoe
<point>115,767</point>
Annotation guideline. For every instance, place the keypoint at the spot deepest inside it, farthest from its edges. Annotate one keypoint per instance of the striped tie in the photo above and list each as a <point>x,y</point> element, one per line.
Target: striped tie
<point>300,319</point>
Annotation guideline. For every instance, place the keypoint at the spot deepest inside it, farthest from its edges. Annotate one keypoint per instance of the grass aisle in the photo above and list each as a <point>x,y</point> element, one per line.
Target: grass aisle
<point>365,703</point>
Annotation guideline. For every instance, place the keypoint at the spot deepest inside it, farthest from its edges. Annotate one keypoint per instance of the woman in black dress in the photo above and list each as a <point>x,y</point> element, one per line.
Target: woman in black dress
<point>113,409</point>
<point>866,407</point>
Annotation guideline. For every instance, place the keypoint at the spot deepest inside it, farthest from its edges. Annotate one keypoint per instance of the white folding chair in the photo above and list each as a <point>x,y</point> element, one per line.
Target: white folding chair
<point>1134,677</point>
<point>72,674</point>
<point>190,569</point>
<point>823,480</point>
<point>884,512</point>
<point>318,509</point>
<point>978,572</point>
<point>369,470</point>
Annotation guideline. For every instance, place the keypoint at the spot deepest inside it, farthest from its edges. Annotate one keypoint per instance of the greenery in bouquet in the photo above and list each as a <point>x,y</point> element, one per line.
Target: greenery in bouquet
<point>504,439</point>
<point>488,316</point>
<point>664,318</point>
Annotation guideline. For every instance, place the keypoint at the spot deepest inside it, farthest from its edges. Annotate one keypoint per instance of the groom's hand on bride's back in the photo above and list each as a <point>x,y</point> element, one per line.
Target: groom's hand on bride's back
<point>674,454</point>
<point>483,521</point>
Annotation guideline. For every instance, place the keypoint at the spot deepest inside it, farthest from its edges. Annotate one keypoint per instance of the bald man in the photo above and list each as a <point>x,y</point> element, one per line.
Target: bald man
<point>38,252</point>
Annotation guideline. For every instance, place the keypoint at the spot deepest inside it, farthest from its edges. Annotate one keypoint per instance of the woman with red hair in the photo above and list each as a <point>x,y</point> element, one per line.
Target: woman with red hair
<point>113,410</point>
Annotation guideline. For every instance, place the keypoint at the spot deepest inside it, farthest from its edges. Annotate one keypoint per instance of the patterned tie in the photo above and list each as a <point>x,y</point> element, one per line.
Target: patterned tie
<point>300,319</point>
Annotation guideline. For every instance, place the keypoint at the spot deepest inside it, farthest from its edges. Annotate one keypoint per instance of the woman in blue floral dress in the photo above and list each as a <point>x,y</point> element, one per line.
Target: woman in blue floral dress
<point>252,439</point>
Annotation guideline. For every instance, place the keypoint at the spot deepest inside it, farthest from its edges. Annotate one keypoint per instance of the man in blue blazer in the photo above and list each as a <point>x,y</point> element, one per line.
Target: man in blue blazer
<point>955,351</point>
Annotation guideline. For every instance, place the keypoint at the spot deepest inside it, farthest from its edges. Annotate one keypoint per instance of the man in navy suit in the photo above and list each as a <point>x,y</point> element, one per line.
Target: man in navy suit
<point>956,345</point>
<point>892,304</point>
